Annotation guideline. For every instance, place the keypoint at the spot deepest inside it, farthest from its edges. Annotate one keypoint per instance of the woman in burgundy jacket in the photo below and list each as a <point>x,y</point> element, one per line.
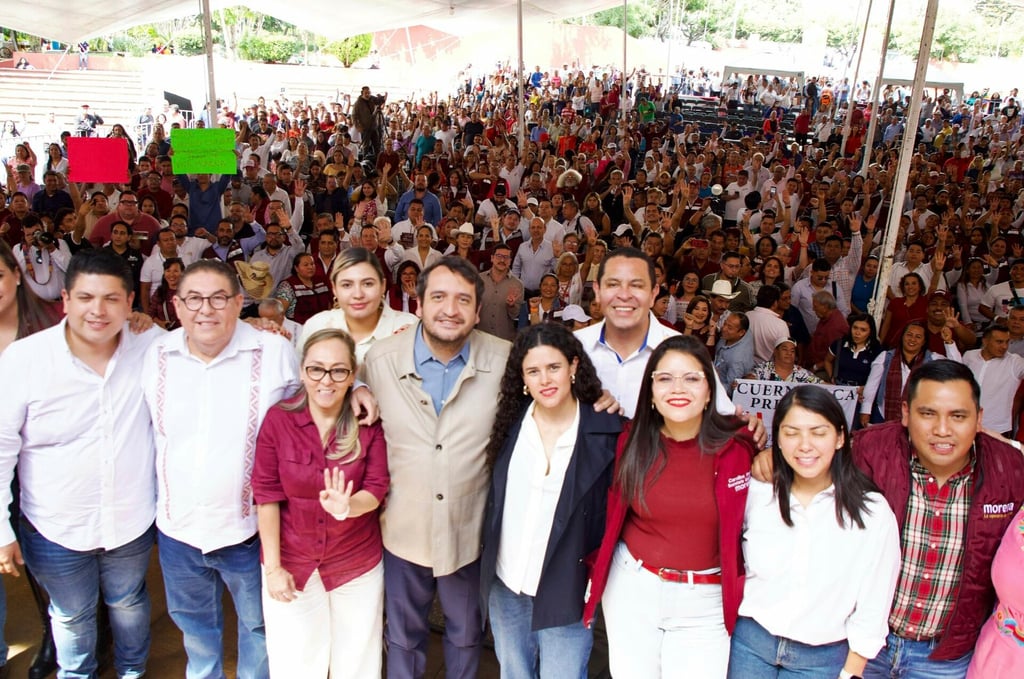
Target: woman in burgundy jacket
<point>670,569</point>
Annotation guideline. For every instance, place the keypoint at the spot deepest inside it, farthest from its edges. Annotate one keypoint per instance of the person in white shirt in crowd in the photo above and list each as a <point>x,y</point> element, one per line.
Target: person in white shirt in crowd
<point>820,532</point>
<point>734,196</point>
<point>72,430</point>
<point>766,324</point>
<point>153,268</point>
<point>915,263</point>
<point>493,206</point>
<point>363,311</point>
<point>190,248</point>
<point>43,259</point>
<point>272,309</point>
<point>404,232</point>
<point>999,373</point>
<point>1002,297</point>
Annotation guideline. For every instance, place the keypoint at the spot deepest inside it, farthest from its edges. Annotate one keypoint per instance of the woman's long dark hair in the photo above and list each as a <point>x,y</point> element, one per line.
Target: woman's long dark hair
<point>511,399</point>
<point>850,484</point>
<point>872,344</point>
<point>644,448</point>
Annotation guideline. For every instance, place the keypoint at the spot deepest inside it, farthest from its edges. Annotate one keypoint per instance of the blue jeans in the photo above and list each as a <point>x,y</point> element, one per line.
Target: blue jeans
<point>195,586</point>
<point>756,653</point>
<point>75,581</point>
<point>908,659</point>
<point>552,653</point>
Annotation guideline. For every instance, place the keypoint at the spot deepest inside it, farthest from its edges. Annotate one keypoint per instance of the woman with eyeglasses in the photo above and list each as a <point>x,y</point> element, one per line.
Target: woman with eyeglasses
<point>669,572</point>
<point>318,481</point>
<point>822,553</point>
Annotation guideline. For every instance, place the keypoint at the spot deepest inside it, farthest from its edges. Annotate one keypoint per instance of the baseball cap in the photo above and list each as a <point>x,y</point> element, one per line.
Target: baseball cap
<point>574,312</point>
<point>782,340</point>
<point>623,229</point>
<point>532,201</point>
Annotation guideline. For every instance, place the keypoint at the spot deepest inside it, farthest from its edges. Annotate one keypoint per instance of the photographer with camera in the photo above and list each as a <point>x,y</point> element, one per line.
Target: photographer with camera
<point>368,120</point>
<point>43,259</point>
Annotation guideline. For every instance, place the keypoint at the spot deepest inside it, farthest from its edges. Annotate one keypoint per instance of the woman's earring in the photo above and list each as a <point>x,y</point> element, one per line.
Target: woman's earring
<point>526,390</point>
<point>572,378</point>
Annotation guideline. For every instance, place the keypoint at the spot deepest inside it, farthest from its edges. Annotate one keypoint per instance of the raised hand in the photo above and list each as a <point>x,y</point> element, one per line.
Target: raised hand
<point>336,496</point>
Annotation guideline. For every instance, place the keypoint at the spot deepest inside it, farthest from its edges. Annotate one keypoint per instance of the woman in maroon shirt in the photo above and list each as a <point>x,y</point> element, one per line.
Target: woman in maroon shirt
<point>670,566</point>
<point>318,481</point>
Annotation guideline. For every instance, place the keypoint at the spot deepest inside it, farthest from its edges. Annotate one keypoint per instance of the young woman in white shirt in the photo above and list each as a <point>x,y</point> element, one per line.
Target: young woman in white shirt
<point>551,455</point>
<point>822,552</point>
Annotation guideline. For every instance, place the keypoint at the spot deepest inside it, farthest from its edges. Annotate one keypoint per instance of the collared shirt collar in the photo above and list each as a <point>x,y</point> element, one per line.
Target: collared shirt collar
<point>422,354</point>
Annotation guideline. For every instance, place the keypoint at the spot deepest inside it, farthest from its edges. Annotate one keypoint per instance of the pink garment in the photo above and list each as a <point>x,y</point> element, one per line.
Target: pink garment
<point>1000,648</point>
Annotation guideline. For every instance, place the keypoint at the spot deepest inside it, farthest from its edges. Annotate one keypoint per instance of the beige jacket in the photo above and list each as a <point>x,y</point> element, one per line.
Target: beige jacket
<point>434,511</point>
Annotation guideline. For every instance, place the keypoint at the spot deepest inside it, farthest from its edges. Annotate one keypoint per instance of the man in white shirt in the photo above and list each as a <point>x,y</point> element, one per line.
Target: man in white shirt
<point>43,259</point>
<point>153,267</point>
<point>766,325</point>
<point>999,373</point>
<point>81,438</point>
<point>1002,297</point>
<point>735,193</point>
<point>207,386</point>
<point>404,232</point>
<point>621,344</point>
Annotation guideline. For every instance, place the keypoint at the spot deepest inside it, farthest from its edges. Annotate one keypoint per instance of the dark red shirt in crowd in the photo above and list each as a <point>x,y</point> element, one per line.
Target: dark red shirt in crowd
<point>289,469</point>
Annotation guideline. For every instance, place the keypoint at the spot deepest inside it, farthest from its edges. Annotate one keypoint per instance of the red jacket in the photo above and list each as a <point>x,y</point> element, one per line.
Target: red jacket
<point>883,453</point>
<point>732,478</point>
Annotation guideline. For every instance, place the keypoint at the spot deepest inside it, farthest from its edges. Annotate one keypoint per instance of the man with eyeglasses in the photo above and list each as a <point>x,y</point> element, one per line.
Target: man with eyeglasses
<point>503,295</point>
<point>139,223</point>
<point>208,386</point>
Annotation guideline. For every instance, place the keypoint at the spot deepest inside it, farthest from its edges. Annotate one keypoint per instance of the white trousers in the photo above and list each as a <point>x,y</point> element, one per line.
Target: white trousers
<point>662,629</point>
<point>320,634</point>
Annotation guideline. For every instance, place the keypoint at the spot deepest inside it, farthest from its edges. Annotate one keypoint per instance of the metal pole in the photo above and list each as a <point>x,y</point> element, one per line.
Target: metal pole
<point>850,103</point>
<point>877,305</point>
<point>873,123</point>
<point>521,104</point>
<point>625,38</point>
<point>211,90</point>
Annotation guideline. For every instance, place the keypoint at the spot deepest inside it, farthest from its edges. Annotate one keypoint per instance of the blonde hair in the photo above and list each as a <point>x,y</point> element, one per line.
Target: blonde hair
<point>346,427</point>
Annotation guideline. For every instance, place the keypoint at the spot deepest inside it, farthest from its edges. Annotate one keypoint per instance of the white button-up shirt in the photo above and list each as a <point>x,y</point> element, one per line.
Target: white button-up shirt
<point>622,376</point>
<point>206,417</point>
<point>999,379</point>
<point>815,582</point>
<point>532,491</point>
<point>82,442</point>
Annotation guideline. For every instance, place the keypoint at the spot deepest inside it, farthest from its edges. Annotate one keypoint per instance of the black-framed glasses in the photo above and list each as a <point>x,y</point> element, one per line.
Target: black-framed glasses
<point>217,301</point>
<point>317,373</point>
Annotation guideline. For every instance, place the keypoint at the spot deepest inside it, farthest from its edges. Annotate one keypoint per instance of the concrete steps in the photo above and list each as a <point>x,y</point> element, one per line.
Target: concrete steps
<point>116,96</point>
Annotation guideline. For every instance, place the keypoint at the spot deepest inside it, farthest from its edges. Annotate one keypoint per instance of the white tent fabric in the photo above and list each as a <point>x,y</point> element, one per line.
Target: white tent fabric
<point>72,22</point>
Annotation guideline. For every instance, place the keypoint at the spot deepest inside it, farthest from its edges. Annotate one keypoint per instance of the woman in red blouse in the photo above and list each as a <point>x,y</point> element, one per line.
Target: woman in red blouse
<point>670,568</point>
<point>318,480</point>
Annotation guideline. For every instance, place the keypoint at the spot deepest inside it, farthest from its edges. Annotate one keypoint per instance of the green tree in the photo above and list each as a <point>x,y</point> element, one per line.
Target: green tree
<point>639,19</point>
<point>350,50</point>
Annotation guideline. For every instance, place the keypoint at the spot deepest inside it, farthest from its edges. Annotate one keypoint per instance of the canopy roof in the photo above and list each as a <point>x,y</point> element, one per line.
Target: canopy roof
<point>72,22</point>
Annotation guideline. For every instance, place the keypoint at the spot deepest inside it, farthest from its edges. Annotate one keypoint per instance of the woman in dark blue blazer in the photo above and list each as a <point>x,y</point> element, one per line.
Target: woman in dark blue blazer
<point>552,457</point>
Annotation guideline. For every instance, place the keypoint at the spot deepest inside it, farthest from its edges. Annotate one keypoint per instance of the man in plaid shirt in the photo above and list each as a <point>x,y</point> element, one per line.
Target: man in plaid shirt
<point>953,490</point>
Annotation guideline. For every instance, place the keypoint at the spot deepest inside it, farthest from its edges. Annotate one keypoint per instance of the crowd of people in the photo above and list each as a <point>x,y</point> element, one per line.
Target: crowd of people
<point>398,355</point>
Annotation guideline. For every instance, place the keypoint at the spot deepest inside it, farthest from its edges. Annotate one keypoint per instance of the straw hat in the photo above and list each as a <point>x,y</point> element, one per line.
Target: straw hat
<point>256,279</point>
